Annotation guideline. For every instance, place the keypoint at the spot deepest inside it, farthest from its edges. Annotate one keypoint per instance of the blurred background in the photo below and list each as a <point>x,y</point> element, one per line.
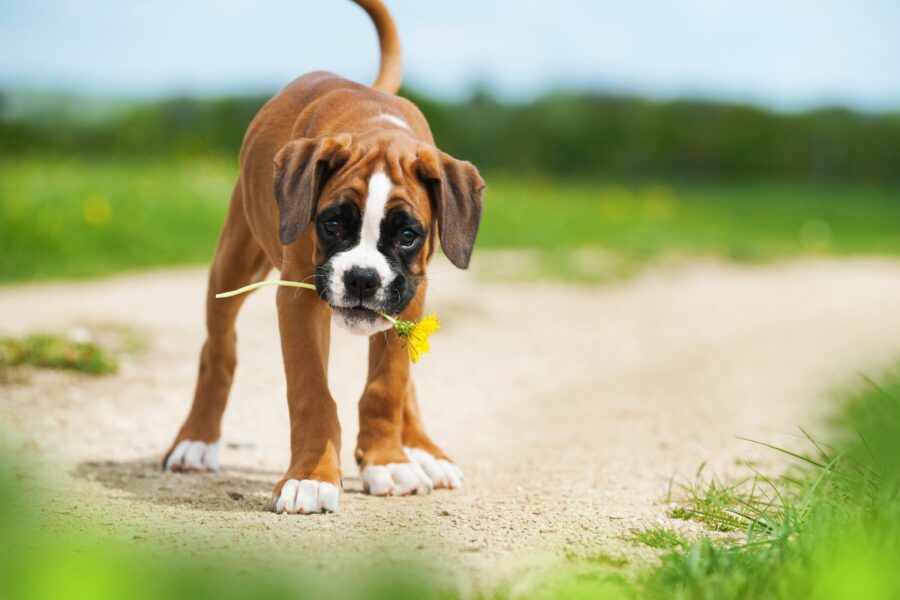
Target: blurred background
<point>652,131</point>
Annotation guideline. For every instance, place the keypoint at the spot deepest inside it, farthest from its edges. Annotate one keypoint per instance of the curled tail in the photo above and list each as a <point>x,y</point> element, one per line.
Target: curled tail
<point>390,72</point>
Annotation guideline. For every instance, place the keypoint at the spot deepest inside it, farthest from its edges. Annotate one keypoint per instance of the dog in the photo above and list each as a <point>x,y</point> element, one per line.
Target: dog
<point>340,184</point>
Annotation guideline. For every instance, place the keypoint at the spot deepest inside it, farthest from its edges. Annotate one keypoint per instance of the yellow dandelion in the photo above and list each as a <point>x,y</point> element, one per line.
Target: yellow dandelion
<point>97,211</point>
<point>415,334</point>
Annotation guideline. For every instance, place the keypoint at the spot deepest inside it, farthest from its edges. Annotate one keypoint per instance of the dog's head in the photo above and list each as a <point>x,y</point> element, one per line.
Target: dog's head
<point>375,206</point>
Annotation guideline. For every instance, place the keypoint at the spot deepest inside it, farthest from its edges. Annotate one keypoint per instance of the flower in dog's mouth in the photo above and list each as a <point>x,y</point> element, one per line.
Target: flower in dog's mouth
<point>417,334</point>
<point>414,334</point>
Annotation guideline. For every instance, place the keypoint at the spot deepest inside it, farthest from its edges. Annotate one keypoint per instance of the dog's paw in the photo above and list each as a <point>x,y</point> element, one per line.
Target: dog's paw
<point>307,497</point>
<point>442,472</point>
<point>190,456</point>
<point>396,479</point>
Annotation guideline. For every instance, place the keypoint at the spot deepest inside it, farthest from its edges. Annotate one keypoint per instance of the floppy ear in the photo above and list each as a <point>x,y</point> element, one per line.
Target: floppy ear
<point>456,191</point>
<point>302,168</point>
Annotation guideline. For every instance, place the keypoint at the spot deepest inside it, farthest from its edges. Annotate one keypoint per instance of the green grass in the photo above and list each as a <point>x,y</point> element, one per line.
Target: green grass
<point>56,352</point>
<point>71,218</point>
<point>830,529</point>
<point>661,538</point>
<point>827,529</point>
<point>719,506</point>
<point>83,218</point>
<point>636,224</point>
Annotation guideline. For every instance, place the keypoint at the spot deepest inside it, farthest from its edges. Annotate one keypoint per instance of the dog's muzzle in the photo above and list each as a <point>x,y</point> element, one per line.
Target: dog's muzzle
<point>358,304</point>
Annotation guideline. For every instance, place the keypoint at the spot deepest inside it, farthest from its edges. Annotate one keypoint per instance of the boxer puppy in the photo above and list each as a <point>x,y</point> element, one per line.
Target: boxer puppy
<point>340,184</point>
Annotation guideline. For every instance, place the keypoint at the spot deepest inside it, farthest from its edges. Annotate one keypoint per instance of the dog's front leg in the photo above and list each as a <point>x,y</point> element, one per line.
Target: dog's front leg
<point>313,480</point>
<point>385,468</point>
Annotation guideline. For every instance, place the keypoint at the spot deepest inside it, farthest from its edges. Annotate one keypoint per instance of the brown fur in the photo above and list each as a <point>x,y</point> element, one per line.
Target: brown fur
<point>320,136</point>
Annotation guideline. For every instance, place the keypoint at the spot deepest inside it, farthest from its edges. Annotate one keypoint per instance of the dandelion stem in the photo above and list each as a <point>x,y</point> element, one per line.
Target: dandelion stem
<point>297,284</point>
<point>256,286</point>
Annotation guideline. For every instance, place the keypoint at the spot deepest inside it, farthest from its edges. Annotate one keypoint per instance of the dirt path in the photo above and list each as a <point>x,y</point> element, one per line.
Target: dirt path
<point>569,408</point>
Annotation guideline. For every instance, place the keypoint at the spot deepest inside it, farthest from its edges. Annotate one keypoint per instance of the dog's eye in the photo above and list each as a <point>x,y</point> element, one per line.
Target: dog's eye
<point>332,227</point>
<point>407,238</point>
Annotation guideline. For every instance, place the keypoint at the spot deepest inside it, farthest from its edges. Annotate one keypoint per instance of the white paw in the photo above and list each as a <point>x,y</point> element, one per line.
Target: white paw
<point>443,473</point>
<point>396,479</point>
<point>307,497</point>
<point>191,456</point>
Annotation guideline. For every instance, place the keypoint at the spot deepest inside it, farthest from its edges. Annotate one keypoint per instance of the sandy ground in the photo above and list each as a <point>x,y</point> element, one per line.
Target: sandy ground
<point>569,409</point>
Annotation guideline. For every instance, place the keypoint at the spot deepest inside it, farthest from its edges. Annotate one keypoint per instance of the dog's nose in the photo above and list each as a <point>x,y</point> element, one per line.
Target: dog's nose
<point>361,283</point>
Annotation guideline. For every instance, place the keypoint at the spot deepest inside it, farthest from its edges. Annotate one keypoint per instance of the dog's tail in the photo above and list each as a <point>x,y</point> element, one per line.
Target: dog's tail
<point>390,72</point>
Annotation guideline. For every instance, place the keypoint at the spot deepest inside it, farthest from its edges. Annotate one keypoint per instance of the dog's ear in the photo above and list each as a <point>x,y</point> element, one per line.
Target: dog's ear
<point>302,168</point>
<point>456,191</point>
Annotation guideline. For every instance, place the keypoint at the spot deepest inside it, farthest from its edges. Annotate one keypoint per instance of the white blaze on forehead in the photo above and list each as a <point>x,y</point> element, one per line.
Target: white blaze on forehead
<point>394,119</point>
<point>366,254</point>
<point>373,213</point>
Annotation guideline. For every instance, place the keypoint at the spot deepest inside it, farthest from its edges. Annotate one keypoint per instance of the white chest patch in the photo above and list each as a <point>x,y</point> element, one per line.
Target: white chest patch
<point>394,119</point>
<point>365,253</point>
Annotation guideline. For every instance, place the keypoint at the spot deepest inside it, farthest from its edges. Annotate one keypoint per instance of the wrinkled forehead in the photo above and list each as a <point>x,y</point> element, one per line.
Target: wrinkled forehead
<point>378,186</point>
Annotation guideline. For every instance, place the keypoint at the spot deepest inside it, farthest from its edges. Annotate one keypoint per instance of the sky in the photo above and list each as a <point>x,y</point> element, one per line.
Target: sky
<point>787,54</point>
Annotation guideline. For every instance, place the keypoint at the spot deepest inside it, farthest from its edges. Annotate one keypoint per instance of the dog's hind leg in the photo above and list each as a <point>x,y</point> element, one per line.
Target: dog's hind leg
<point>421,450</point>
<point>385,469</point>
<point>395,455</point>
<point>238,260</point>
